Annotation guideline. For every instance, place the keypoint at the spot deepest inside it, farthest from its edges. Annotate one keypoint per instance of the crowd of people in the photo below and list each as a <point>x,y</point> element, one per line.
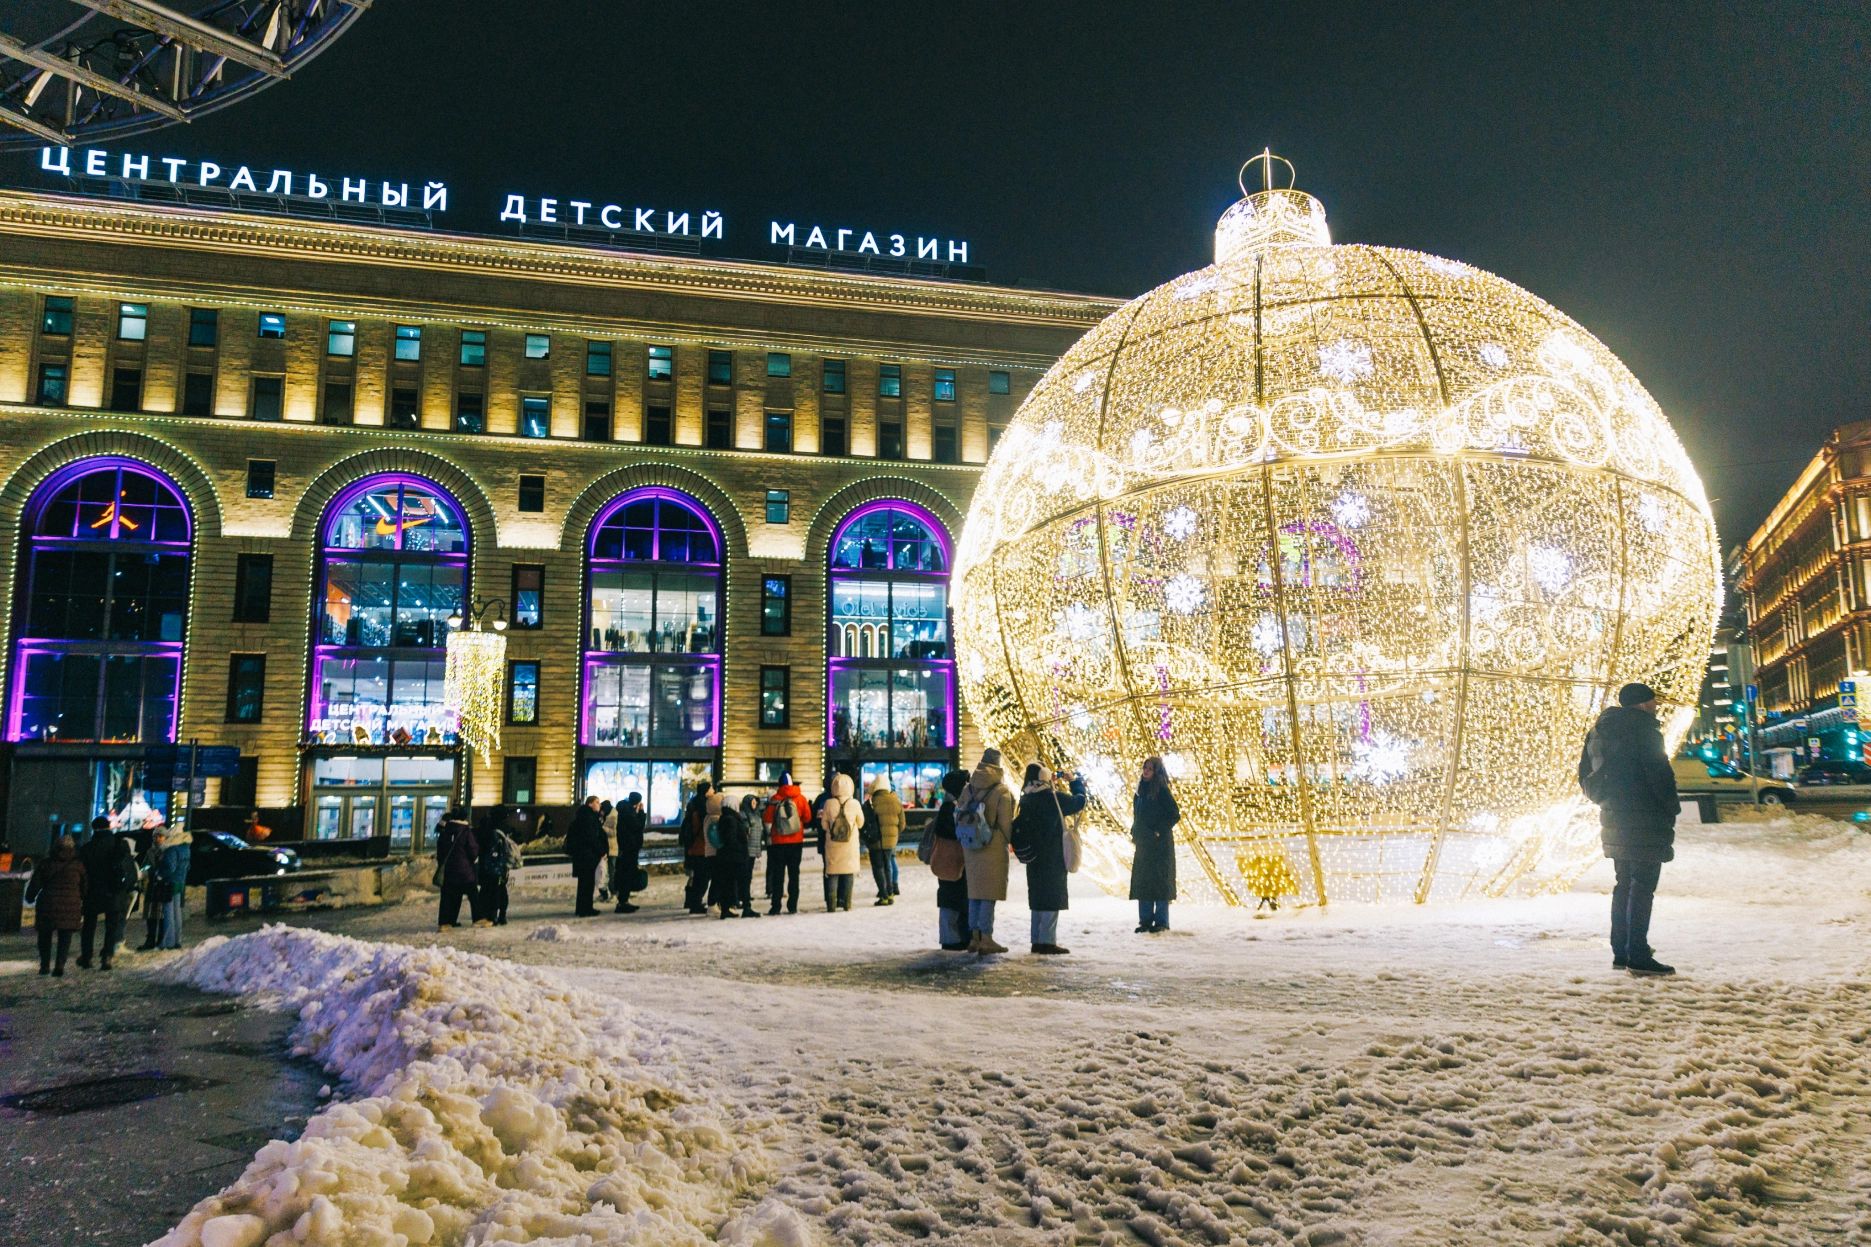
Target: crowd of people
<point>76,889</point>
<point>981,824</point>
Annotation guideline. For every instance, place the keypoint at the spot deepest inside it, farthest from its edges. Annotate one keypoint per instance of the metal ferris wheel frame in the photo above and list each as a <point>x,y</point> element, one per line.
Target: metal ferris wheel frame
<point>125,67</point>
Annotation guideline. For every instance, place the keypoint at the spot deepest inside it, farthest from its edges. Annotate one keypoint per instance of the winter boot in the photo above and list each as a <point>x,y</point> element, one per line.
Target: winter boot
<point>1050,950</point>
<point>985,944</point>
<point>1648,967</point>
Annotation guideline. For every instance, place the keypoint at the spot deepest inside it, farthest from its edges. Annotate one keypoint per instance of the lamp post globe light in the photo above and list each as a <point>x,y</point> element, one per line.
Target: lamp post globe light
<point>1359,541</point>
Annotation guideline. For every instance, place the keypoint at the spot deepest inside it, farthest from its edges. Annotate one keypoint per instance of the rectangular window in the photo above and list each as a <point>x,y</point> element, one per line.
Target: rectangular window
<point>341,338</point>
<point>267,394</point>
<point>890,381</point>
<point>597,359</point>
<point>656,426</point>
<point>773,701</point>
<point>470,413</point>
<point>204,326</point>
<point>834,375</point>
<point>779,364</point>
<point>57,317</point>
<point>246,687</point>
<point>523,693</point>
<point>720,368</point>
<point>517,780</point>
<point>473,347</point>
<point>772,770</point>
<point>260,478</point>
<point>529,589</point>
<point>597,422</point>
<point>535,416</point>
<point>272,325</point>
<point>198,394</point>
<point>945,444</point>
<point>337,402</point>
<point>993,436</point>
<point>999,383</point>
<point>409,342</point>
<point>662,363</point>
<point>538,346</point>
<point>532,493</point>
<point>779,506</point>
<point>720,430</point>
<point>253,578</point>
<point>776,606</point>
<point>132,322</point>
<point>52,385</point>
<point>779,433</point>
<point>832,435</point>
<point>126,389</point>
<point>889,439</point>
<point>945,385</point>
<point>404,410</point>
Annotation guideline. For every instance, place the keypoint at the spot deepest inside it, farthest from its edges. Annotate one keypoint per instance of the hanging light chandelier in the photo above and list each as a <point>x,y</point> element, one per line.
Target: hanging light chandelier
<point>471,681</point>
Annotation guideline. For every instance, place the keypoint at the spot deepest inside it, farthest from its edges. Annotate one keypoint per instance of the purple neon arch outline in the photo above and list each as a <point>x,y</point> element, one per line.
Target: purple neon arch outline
<point>355,489</point>
<point>344,498</point>
<point>694,506</point>
<point>939,531</point>
<point>42,495</point>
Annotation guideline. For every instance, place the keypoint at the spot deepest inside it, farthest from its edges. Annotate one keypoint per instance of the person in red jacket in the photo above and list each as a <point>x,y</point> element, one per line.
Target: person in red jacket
<point>786,817</point>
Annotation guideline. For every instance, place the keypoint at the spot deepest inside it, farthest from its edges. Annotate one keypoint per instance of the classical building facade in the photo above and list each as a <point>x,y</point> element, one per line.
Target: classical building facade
<point>1805,577</point>
<point>256,468</point>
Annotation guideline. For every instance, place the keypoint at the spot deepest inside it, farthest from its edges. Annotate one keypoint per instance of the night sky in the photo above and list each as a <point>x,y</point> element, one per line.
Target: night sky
<point>1688,183</point>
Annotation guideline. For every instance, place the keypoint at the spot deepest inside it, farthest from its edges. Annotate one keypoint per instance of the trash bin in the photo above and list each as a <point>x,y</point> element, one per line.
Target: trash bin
<point>12,901</point>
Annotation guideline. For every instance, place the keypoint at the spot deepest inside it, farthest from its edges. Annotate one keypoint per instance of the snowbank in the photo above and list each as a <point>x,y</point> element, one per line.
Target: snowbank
<point>497,1105</point>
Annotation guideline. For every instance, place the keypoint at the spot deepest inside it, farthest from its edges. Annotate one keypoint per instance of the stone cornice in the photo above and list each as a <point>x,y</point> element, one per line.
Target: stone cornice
<point>142,224</point>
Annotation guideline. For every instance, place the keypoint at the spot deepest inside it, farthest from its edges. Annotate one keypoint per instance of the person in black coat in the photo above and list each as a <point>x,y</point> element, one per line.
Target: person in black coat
<point>734,860</point>
<point>1153,819</point>
<point>455,854</point>
<point>951,894</point>
<point>632,818</point>
<point>1625,771</point>
<point>110,873</point>
<point>1039,841</point>
<point>587,845</point>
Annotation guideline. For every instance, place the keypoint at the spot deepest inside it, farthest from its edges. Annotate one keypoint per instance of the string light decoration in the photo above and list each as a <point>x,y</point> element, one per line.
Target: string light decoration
<point>1359,540</point>
<point>471,687</point>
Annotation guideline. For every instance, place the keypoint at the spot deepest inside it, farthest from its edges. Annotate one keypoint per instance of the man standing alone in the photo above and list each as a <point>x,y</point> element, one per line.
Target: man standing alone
<point>1625,771</point>
<point>586,845</point>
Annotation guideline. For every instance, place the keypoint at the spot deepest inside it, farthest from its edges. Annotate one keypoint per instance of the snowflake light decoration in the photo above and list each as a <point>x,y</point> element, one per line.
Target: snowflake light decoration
<point>1345,361</point>
<point>1361,560</point>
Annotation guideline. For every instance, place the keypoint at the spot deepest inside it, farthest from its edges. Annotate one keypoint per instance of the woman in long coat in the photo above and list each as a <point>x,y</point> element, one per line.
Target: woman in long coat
<point>1043,811</point>
<point>1153,819</point>
<point>986,868</point>
<point>56,892</point>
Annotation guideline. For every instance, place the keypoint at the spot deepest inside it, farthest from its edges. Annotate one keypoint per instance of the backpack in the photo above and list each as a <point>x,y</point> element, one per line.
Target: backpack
<point>785,819</point>
<point>872,837</point>
<point>839,829</point>
<point>1592,782</point>
<point>713,832</point>
<point>495,859</point>
<point>129,874</point>
<point>971,825</point>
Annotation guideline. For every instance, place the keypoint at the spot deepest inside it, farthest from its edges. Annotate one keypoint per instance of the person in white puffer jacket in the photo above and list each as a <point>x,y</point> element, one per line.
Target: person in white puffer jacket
<point>841,820</point>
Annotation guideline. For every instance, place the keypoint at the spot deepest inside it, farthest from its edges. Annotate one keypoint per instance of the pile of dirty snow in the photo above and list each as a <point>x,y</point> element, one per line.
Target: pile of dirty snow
<point>495,1104</point>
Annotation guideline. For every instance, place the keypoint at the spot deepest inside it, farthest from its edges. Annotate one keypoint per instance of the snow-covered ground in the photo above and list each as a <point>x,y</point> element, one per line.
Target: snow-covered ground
<point>1457,1074</point>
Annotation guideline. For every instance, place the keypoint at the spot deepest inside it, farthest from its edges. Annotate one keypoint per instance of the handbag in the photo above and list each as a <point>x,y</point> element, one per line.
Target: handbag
<point>1069,846</point>
<point>947,860</point>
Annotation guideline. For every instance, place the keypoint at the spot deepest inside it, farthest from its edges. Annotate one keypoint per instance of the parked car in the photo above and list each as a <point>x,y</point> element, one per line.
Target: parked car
<point>219,855</point>
<point>1834,773</point>
<point>1695,776</point>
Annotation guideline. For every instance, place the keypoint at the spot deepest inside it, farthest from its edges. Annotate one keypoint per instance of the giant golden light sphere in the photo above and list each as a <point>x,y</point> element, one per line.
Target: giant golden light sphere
<point>1359,540</point>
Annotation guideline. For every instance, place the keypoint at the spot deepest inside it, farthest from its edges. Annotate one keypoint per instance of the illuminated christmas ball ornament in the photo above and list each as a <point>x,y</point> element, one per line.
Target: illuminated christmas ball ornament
<point>1358,541</point>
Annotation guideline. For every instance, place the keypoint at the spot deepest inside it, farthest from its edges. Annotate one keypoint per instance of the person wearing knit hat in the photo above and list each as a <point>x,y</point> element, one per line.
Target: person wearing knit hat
<point>1625,771</point>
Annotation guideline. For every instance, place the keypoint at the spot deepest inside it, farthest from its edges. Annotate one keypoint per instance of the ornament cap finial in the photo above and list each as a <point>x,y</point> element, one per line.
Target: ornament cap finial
<point>1273,216</point>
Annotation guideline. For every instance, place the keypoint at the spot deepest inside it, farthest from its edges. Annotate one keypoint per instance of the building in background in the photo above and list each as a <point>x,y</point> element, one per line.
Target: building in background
<point>1805,577</point>
<point>255,465</point>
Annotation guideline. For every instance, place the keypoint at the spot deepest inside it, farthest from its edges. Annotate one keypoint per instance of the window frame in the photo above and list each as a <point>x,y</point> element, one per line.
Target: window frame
<point>188,405</point>
<point>535,405</point>
<point>594,350</point>
<point>513,612</point>
<point>827,424</point>
<point>473,341</point>
<point>49,315</point>
<point>275,321</point>
<point>253,399</point>
<point>667,360</point>
<point>256,472</point>
<point>776,431</point>
<point>341,339</point>
<point>244,565</point>
<point>724,362</point>
<point>463,416</point>
<point>718,429</point>
<point>827,370</point>
<point>541,340</point>
<point>783,688</point>
<point>411,334</point>
<point>412,419</point>
<point>658,430</point>
<point>784,597</point>
<point>236,685</point>
<point>513,687</point>
<point>889,381</point>
<point>783,499</point>
<point>127,317</point>
<point>204,316</point>
<point>945,437</point>
<point>944,391</point>
<point>999,382</point>
<point>63,380</point>
<point>532,487</point>
<point>779,364</point>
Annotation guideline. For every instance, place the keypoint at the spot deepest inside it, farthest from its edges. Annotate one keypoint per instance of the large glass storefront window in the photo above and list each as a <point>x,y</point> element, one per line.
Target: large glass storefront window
<point>650,721</point>
<point>104,614</point>
<point>891,678</point>
<point>393,566</point>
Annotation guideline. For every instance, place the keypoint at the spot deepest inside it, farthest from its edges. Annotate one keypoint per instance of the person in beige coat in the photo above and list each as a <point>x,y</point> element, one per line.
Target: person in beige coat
<point>987,868</point>
<point>889,808</point>
<point>842,820</point>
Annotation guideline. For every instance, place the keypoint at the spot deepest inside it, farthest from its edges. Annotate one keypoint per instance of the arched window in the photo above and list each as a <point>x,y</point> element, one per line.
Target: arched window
<point>104,583</point>
<point>393,567</point>
<point>651,719</point>
<point>891,677</point>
